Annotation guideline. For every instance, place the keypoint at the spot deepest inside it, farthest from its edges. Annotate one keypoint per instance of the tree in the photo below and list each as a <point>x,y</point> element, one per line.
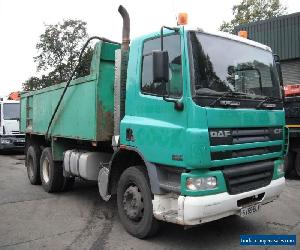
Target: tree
<point>58,51</point>
<point>34,83</point>
<point>251,11</point>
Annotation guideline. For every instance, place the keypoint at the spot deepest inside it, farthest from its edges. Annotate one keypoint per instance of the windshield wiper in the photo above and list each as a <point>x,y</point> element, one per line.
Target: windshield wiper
<point>226,94</point>
<point>269,98</point>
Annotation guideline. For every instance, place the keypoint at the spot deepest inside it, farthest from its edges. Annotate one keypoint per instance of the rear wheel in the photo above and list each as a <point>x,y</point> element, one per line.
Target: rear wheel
<point>51,172</point>
<point>32,164</point>
<point>134,200</point>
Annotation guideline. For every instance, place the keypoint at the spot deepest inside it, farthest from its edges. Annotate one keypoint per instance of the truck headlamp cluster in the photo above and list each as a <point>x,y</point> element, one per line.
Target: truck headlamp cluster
<point>198,184</point>
<point>5,141</point>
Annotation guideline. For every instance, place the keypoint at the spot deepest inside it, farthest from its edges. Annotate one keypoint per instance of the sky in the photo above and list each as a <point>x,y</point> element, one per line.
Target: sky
<point>22,22</point>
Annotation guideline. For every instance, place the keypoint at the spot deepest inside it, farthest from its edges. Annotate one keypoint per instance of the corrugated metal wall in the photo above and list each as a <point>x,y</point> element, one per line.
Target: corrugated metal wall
<point>291,71</point>
<point>282,34</point>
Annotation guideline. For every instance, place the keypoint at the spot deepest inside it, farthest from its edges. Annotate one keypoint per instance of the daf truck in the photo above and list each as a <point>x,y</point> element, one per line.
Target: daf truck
<point>182,125</point>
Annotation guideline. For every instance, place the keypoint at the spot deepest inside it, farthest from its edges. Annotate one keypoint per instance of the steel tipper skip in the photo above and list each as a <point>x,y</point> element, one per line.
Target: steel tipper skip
<point>10,136</point>
<point>185,127</point>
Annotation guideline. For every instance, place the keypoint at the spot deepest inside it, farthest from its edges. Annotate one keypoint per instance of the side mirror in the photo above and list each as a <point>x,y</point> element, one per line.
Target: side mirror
<point>279,71</point>
<point>278,67</point>
<point>160,66</point>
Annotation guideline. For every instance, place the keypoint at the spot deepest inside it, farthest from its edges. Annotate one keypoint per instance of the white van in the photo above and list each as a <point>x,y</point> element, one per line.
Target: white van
<point>10,136</point>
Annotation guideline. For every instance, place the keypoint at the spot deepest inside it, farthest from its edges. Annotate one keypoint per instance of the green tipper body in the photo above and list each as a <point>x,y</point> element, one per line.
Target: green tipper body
<point>86,111</point>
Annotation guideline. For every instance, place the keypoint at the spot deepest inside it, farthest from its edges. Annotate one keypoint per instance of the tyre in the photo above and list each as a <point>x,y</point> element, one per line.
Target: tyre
<point>297,165</point>
<point>134,199</point>
<point>32,163</point>
<point>291,164</point>
<point>68,183</point>
<point>51,172</point>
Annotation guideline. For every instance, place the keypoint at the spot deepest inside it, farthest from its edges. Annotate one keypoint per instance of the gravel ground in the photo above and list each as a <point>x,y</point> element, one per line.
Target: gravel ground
<point>79,219</point>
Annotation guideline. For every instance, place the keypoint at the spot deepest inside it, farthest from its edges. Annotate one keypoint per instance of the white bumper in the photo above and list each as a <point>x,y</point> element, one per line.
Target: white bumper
<point>188,210</point>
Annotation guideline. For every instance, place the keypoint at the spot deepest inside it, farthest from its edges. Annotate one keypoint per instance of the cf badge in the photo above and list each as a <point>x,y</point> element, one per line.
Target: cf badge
<point>277,131</point>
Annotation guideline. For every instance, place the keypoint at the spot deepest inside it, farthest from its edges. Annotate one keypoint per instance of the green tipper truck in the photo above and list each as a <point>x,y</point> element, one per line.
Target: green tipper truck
<point>184,126</point>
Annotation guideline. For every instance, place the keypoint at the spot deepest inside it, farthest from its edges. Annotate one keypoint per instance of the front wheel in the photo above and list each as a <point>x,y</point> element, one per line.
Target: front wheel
<point>134,200</point>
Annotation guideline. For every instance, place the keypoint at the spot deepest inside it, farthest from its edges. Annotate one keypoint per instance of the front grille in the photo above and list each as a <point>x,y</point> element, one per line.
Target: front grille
<point>230,136</point>
<point>244,152</point>
<point>246,177</point>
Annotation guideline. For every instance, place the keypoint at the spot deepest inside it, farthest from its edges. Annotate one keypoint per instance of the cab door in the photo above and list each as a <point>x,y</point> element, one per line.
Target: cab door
<point>155,127</point>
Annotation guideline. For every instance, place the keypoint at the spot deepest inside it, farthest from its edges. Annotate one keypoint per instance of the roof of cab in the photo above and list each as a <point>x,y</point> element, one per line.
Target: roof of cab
<point>236,38</point>
<point>9,101</point>
<point>215,33</point>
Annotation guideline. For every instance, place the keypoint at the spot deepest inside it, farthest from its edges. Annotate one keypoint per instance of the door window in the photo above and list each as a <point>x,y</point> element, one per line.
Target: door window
<point>174,86</point>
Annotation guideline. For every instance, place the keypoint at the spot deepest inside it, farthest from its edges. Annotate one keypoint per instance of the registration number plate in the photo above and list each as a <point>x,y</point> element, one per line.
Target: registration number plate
<point>245,211</point>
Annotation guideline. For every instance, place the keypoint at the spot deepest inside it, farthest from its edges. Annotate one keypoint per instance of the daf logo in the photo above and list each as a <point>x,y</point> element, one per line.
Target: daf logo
<point>220,133</point>
<point>277,131</point>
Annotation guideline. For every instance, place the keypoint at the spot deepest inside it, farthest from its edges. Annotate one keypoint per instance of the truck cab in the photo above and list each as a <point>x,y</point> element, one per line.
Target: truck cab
<point>223,148</point>
<point>10,136</point>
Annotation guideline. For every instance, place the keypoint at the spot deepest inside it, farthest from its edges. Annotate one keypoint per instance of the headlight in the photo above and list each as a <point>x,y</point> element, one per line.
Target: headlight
<point>280,168</point>
<point>5,141</point>
<point>204,183</point>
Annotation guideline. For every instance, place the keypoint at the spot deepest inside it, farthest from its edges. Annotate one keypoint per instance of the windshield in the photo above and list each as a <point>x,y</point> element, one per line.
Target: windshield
<point>222,65</point>
<point>11,111</point>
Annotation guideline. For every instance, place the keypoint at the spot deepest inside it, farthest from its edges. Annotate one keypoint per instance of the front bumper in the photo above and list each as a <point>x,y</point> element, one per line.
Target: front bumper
<point>14,142</point>
<point>188,210</point>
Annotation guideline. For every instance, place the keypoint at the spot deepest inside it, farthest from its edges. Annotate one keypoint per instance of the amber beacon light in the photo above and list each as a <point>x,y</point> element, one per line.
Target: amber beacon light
<point>182,18</point>
<point>243,33</point>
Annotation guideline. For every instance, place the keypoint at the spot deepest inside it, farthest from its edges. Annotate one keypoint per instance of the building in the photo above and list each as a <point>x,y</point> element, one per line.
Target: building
<point>282,34</point>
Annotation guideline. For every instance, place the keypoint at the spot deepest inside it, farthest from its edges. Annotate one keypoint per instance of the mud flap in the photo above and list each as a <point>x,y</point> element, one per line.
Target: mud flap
<point>103,181</point>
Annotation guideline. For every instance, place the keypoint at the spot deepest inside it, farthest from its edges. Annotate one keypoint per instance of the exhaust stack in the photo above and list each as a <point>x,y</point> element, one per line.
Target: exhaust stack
<point>121,61</point>
<point>126,28</point>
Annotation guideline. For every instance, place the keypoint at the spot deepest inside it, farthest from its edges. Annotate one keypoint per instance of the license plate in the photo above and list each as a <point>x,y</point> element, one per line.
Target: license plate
<point>20,140</point>
<point>245,211</point>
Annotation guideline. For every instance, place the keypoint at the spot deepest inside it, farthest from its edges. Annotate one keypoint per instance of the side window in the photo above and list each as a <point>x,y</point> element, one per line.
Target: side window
<point>174,86</point>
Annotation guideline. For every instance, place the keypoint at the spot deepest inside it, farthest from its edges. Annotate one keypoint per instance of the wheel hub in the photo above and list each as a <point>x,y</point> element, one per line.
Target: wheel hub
<point>30,167</point>
<point>46,170</point>
<point>133,203</point>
